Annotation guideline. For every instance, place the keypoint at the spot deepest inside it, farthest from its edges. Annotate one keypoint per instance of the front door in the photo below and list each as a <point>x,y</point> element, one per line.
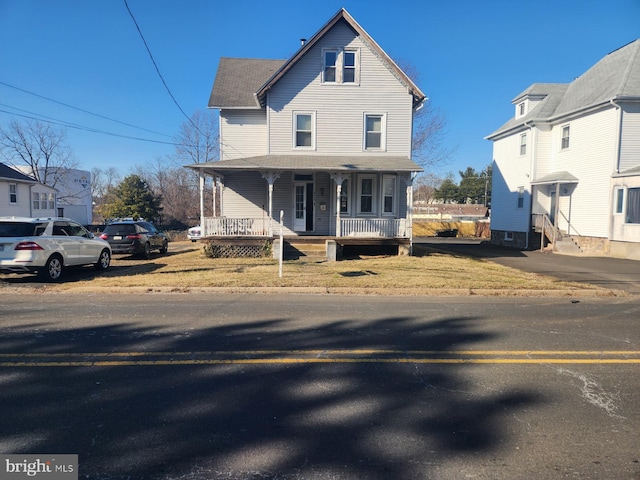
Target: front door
<point>303,207</point>
<point>552,207</point>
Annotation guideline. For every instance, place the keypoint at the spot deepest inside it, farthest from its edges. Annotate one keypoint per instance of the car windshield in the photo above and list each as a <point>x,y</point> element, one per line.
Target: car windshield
<point>21,229</point>
<point>120,229</point>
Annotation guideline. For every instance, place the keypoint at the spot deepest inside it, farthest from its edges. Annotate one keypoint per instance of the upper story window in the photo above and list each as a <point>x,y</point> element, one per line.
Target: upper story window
<point>374,135</point>
<point>340,66</point>
<point>565,137</point>
<point>13,193</point>
<point>304,129</point>
<point>521,109</point>
<point>330,61</point>
<point>523,144</point>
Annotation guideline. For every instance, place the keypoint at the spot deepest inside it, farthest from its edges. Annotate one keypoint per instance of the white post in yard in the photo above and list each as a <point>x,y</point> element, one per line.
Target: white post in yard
<point>281,246</point>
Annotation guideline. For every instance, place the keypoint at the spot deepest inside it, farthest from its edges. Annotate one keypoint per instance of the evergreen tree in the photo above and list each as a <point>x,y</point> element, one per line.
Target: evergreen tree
<point>132,198</point>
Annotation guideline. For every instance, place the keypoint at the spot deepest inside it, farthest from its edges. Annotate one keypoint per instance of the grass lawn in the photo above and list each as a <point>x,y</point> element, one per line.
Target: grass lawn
<point>428,272</point>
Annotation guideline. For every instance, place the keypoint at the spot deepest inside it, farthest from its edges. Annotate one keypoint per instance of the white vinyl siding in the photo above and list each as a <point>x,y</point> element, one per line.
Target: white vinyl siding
<point>630,138</point>
<point>340,108</point>
<point>244,133</point>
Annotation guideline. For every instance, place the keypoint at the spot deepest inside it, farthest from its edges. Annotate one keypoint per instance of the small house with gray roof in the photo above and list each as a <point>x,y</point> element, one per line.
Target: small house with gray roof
<point>325,137</point>
<point>566,171</point>
<point>23,196</point>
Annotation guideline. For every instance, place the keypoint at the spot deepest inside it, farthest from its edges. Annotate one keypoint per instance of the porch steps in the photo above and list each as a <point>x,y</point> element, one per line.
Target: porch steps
<point>306,251</point>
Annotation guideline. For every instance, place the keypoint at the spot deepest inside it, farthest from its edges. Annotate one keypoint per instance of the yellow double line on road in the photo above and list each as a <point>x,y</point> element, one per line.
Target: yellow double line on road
<point>122,359</point>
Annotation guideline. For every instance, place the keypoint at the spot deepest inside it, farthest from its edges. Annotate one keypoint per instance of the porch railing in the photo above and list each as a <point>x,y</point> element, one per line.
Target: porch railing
<point>229,227</point>
<point>373,227</point>
<point>349,227</point>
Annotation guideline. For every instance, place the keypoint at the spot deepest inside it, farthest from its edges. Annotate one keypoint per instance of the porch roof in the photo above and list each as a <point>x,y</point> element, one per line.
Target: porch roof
<point>555,177</point>
<point>310,163</point>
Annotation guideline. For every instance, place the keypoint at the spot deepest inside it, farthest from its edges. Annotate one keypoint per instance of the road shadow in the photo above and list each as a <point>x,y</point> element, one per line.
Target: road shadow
<point>275,420</point>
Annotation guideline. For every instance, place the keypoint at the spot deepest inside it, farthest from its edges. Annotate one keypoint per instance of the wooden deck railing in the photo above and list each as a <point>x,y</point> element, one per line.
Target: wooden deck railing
<point>230,227</point>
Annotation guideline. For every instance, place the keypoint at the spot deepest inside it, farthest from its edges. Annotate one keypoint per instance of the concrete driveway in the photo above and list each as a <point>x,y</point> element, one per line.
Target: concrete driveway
<point>607,272</point>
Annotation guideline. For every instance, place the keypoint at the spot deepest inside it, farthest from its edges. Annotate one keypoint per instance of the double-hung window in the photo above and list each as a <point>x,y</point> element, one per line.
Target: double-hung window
<point>366,194</point>
<point>388,194</point>
<point>13,193</point>
<point>330,66</point>
<point>36,201</point>
<point>565,137</point>
<point>349,67</point>
<point>523,144</point>
<point>374,134</point>
<point>304,130</point>
<point>344,197</point>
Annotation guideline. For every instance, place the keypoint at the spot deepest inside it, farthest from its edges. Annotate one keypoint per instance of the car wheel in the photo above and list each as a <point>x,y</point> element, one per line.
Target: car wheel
<point>146,252</point>
<point>52,271</point>
<point>104,261</point>
<point>164,248</point>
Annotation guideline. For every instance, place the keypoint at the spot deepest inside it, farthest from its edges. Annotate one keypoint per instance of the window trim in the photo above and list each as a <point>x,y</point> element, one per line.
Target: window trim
<point>383,132</point>
<point>394,195</point>
<point>565,141</point>
<point>346,194</point>
<point>619,201</point>
<point>523,144</point>
<point>294,139</point>
<point>340,67</point>
<point>374,192</point>
<point>13,193</point>
<point>520,204</point>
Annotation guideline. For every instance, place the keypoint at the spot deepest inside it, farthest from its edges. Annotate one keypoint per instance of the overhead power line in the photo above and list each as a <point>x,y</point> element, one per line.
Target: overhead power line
<point>158,70</point>
<point>81,109</point>
<point>54,121</point>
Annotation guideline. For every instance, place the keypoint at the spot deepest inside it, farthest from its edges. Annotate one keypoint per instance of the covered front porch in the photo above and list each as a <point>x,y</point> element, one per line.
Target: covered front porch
<point>360,197</point>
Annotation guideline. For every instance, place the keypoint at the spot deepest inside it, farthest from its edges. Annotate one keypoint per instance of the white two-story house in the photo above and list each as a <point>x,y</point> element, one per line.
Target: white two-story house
<point>567,164</point>
<point>22,196</point>
<point>325,137</point>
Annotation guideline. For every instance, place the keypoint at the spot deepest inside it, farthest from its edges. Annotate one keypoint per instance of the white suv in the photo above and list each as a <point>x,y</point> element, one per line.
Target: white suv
<point>48,245</point>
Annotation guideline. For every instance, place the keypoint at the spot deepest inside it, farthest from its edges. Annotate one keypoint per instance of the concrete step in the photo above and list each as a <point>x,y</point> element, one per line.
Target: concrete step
<point>306,251</point>
<point>568,246</point>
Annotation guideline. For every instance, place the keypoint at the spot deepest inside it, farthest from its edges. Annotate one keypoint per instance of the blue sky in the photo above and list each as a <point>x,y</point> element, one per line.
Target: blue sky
<point>473,57</point>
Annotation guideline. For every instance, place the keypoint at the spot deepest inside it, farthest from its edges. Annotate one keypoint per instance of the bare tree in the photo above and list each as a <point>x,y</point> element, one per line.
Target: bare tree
<point>197,140</point>
<point>40,148</point>
<point>429,149</point>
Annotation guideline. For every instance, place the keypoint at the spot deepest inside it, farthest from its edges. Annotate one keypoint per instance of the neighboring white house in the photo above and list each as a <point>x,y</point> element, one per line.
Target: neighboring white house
<point>568,162</point>
<point>325,136</point>
<point>74,197</point>
<point>22,196</point>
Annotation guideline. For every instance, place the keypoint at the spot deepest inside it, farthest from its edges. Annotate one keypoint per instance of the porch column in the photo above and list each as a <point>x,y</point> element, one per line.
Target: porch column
<point>201,189</point>
<point>214,189</point>
<point>338,178</point>
<point>270,177</point>
<point>409,215</point>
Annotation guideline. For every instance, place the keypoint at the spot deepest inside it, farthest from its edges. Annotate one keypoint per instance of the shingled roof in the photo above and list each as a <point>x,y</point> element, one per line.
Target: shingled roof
<point>8,173</point>
<point>238,80</point>
<point>616,77</point>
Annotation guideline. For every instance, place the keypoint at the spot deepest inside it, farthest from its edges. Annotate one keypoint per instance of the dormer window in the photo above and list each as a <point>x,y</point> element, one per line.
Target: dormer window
<point>340,66</point>
<point>521,109</point>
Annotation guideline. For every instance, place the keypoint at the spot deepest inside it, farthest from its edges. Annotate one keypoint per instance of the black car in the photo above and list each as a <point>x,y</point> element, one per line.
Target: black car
<point>135,238</point>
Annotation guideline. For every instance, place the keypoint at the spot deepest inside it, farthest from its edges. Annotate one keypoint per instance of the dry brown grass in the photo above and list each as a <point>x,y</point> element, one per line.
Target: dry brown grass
<point>430,272</point>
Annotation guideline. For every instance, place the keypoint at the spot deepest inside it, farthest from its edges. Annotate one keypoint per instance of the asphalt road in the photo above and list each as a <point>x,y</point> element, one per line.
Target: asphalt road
<point>196,386</point>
